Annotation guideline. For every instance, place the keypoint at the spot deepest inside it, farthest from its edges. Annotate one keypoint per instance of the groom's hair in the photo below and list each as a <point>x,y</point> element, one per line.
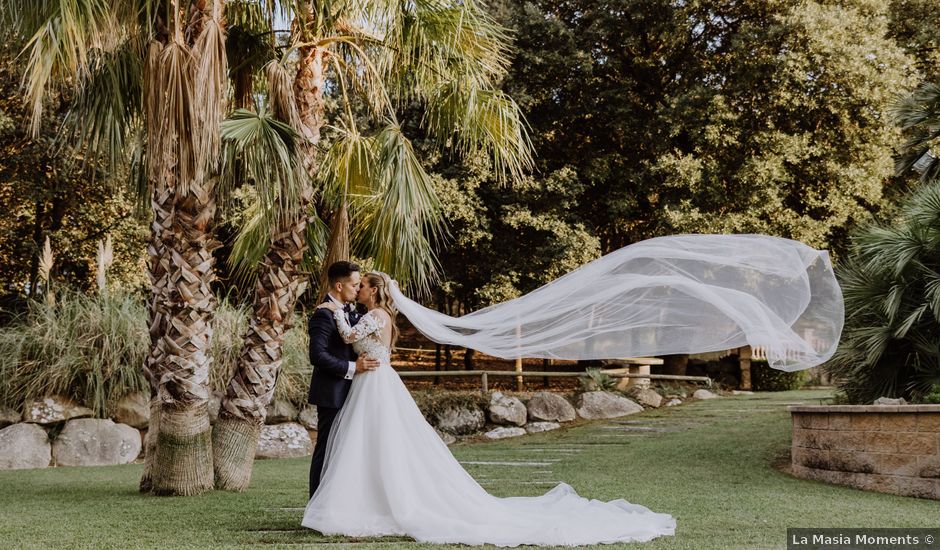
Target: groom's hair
<point>341,270</point>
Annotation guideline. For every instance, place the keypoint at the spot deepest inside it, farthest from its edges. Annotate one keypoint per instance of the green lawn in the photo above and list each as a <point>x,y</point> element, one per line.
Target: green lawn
<point>707,463</point>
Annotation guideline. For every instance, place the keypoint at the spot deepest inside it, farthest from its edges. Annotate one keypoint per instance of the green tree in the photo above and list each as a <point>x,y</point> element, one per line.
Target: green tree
<point>710,116</point>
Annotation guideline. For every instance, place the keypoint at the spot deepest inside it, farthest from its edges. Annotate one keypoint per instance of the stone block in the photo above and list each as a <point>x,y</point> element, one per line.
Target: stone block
<point>880,442</point>
<point>878,483</point>
<point>896,464</point>
<point>928,422</point>
<point>815,421</point>
<point>839,421</point>
<point>917,487</point>
<point>810,458</point>
<point>917,443</point>
<point>928,466</point>
<point>852,461</point>
<point>803,438</point>
<point>866,422</point>
<point>846,440</point>
<point>901,422</point>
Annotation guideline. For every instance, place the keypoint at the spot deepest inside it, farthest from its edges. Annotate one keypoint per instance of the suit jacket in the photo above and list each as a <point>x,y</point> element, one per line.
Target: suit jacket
<point>330,357</point>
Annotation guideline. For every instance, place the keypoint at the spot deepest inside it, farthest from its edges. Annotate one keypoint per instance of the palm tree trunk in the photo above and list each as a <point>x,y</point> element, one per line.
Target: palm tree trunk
<point>280,284</point>
<point>186,102</point>
<point>160,235</point>
<point>182,463</point>
<point>242,414</point>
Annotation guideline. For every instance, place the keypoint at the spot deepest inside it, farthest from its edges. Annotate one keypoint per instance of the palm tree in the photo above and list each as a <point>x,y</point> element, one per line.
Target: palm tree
<point>446,55</point>
<point>135,65</point>
<point>891,280</point>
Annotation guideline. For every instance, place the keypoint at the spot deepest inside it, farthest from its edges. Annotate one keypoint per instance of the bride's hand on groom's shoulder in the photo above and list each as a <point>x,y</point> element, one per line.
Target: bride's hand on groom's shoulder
<point>328,305</point>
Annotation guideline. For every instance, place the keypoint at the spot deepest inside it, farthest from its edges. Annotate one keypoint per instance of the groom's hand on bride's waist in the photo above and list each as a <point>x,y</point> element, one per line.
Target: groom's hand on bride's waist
<point>365,363</point>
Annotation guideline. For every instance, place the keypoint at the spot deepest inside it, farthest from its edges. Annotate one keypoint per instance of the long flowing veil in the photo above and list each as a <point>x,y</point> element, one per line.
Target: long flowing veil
<point>668,295</point>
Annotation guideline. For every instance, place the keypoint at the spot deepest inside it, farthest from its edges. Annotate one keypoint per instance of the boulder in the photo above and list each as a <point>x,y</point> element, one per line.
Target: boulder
<point>602,404</point>
<point>280,411</point>
<point>95,442</point>
<point>133,410</point>
<point>505,409</point>
<point>549,407</point>
<point>446,437</point>
<point>890,401</point>
<point>457,420</point>
<point>53,409</point>
<point>287,440</point>
<point>703,394</point>
<point>24,446</point>
<point>647,397</point>
<point>8,416</point>
<point>503,432</point>
<point>673,402</point>
<point>535,427</point>
<point>308,417</point>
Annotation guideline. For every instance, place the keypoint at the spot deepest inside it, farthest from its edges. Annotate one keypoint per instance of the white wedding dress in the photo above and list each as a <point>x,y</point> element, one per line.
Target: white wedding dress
<point>387,472</point>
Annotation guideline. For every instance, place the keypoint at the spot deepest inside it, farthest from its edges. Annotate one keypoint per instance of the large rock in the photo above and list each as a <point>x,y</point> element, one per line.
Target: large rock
<point>457,420</point>
<point>890,401</point>
<point>602,404</point>
<point>647,397</point>
<point>280,412</point>
<point>535,427</point>
<point>288,440</point>
<point>549,407</point>
<point>133,410</point>
<point>308,417</point>
<point>94,442</point>
<point>703,394</point>
<point>24,446</point>
<point>51,410</point>
<point>503,432</point>
<point>505,409</point>
<point>8,416</point>
<point>446,437</point>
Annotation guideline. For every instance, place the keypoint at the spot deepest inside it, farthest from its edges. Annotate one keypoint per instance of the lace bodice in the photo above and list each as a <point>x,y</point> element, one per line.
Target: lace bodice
<point>365,337</point>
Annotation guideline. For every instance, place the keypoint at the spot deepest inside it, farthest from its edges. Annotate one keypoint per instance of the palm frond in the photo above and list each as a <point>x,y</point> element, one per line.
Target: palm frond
<point>65,33</point>
<point>107,107</point>
<point>481,120</point>
<point>431,41</point>
<point>398,226</point>
<point>266,150</point>
<point>211,72</point>
<point>349,166</point>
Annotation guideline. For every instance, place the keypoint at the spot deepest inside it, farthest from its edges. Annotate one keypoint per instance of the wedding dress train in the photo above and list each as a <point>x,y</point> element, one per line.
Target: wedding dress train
<point>387,472</point>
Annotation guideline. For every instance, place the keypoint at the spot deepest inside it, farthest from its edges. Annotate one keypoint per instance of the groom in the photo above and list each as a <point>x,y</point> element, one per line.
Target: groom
<point>334,362</point>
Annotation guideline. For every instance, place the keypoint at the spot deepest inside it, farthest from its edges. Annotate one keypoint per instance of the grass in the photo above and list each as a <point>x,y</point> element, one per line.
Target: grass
<point>708,463</point>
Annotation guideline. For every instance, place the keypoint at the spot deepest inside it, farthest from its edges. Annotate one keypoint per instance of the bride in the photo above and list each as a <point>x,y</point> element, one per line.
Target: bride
<point>387,472</point>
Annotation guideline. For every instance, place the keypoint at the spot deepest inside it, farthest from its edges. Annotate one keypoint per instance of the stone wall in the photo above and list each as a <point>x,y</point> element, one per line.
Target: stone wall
<point>885,448</point>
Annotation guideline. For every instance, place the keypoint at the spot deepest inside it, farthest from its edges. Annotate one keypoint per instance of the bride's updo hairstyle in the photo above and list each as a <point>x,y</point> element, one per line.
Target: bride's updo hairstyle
<point>382,282</point>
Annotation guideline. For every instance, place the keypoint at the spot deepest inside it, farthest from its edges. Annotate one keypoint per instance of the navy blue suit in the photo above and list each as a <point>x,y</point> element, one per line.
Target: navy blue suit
<point>330,357</point>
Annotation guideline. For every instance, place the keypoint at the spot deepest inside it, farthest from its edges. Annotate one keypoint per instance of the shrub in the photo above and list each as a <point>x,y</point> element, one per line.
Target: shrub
<point>92,348</point>
<point>891,284</point>
<point>89,348</point>
<point>766,378</point>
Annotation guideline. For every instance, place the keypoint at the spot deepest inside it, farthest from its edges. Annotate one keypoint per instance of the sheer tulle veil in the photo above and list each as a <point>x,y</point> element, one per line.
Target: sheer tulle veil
<point>667,295</point>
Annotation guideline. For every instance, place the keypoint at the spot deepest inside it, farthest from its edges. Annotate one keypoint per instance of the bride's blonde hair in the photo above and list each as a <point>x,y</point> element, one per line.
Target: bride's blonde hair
<point>382,283</point>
